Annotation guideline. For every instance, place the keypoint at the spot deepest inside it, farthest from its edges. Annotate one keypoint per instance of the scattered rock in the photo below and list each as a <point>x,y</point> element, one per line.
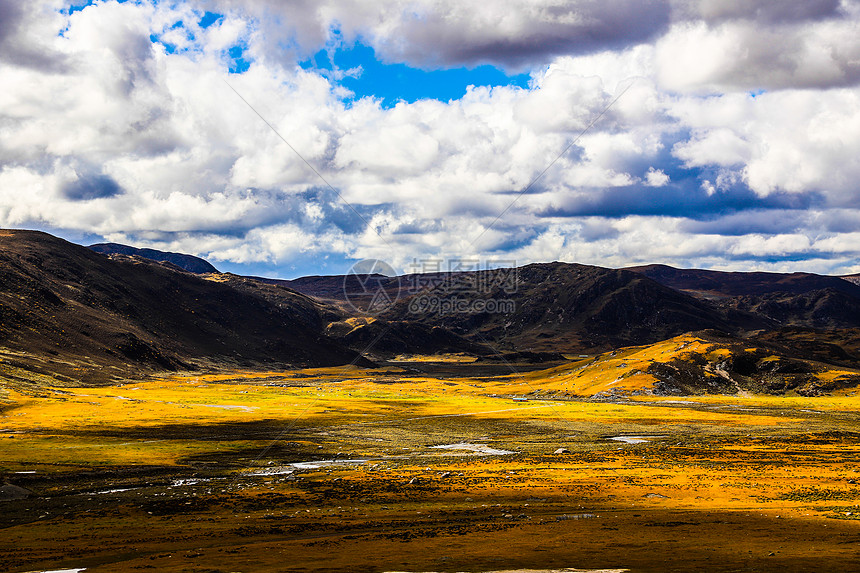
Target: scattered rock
<point>655,496</point>
<point>562,451</point>
<point>11,492</point>
<point>567,516</point>
<point>415,481</point>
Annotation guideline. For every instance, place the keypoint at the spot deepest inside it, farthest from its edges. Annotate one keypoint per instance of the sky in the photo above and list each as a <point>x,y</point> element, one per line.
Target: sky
<point>295,138</point>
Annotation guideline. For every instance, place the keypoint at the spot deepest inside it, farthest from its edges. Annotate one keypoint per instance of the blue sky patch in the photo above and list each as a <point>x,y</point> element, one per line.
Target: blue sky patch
<point>78,6</point>
<point>396,82</point>
<point>168,47</point>
<point>238,63</point>
<point>208,19</point>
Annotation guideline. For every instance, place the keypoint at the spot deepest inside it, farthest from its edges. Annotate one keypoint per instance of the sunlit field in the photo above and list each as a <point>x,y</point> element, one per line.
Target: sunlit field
<point>341,469</point>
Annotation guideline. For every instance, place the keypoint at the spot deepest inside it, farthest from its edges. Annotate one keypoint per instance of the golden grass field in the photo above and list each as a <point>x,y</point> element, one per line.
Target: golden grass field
<point>337,470</point>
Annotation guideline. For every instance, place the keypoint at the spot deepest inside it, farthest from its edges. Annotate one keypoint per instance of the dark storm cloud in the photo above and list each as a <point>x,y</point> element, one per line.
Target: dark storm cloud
<point>573,28</point>
<point>678,199</point>
<point>315,210</point>
<point>16,47</point>
<point>838,220</point>
<point>419,227</point>
<point>11,15</point>
<point>794,256</point>
<point>771,12</point>
<point>516,236</point>
<point>88,187</point>
<point>351,219</point>
<point>755,221</point>
<point>597,230</point>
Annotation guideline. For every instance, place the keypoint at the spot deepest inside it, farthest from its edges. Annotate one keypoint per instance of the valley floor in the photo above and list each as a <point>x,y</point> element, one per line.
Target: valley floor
<point>342,470</point>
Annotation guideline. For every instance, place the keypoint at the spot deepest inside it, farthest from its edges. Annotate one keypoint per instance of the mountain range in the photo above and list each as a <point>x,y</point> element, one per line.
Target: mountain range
<point>106,312</point>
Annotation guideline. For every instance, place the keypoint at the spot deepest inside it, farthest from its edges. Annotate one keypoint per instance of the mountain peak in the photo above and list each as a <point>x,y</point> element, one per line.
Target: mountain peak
<point>188,263</point>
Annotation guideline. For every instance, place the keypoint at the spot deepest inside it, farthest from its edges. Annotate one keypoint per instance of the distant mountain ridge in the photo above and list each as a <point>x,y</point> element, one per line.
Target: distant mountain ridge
<point>570,307</point>
<point>788,299</point>
<point>189,263</point>
<point>557,307</point>
<point>728,283</point>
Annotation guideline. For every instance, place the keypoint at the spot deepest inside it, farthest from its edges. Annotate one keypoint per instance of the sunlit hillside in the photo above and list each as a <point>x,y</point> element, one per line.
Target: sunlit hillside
<point>691,364</point>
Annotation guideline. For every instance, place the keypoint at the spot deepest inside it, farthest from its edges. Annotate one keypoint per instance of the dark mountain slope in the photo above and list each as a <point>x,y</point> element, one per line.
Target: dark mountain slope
<point>825,308</point>
<point>834,346</point>
<point>189,263</point>
<point>565,307</point>
<point>340,298</point>
<point>352,293</point>
<point>308,311</point>
<point>796,299</point>
<point>385,338</point>
<point>67,309</point>
<point>728,284</point>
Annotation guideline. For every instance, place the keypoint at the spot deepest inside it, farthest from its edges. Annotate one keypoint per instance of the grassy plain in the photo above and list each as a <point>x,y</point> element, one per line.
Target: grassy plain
<point>338,470</point>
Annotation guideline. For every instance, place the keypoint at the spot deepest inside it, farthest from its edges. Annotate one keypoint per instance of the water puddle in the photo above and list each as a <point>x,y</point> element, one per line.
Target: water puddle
<point>482,449</point>
<point>228,407</point>
<point>323,463</point>
<point>633,439</point>
<point>277,471</point>
<point>191,481</point>
<point>288,469</point>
